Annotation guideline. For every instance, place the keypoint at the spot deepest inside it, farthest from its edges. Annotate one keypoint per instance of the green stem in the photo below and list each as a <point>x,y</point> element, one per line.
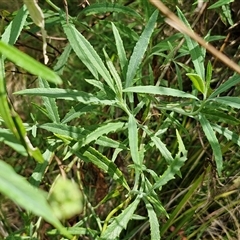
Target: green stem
<point>110,215</point>
<point>53,5</point>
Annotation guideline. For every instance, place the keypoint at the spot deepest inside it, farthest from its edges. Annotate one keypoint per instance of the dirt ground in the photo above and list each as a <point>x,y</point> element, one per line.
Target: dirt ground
<point>10,5</point>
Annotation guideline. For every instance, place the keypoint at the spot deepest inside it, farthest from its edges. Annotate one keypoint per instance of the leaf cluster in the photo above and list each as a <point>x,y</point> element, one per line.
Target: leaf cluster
<point>118,123</point>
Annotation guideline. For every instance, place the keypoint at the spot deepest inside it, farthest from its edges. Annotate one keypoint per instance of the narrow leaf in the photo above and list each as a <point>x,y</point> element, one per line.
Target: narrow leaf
<point>77,111</point>
<point>197,53</point>
<point>212,139</point>
<point>217,114</point>
<point>139,49</point>
<point>62,60</point>
<point>160,91</point>
<point>153,220</point>
<point>66,94</point>
<point>220,3</point>
<point>228,134</point>
<point>181,148</point>
<point>40,169</point>
<point>84,136</point>
<point>49,103</point>
<point>161,146</point>
<point>102,162</point>
<point>114,73</point>
<point>77,231</point>
<point>197,82</point>
<point>103,130</point>
<point>65,130</point>
<point>232,81</point>
<point>133,140</point>
<point>209,78</point>
<point>120,222</point>
<point>230,101</point>
<point>99,8</point>
<point>172,170</point>
<point>153,198</point>
<point>108,142</point>
<point>15,27</point>
<point>87,54</point>
<point>175,165</point>
<point>28,63</point>
<point>120,48</point>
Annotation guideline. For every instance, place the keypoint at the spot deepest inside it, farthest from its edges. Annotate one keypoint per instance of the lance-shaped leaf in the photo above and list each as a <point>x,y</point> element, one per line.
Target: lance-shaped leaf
<point>28,63</point>
<point>212,139</point>
<point>197,82</point>
<point>140,49</point>
<point>120,222</point>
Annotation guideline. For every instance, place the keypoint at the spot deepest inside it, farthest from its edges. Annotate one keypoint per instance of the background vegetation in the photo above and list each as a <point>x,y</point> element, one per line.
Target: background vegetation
<point>114,125</point>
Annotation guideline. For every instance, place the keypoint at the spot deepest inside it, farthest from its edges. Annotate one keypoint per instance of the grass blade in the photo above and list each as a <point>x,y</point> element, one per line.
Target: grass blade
<point>182,204</point>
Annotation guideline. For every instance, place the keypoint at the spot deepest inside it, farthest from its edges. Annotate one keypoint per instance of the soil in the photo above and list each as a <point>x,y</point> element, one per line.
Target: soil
<point>10,5</point>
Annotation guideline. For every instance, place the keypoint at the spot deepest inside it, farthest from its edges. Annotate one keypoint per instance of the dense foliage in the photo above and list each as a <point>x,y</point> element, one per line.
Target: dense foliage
<point>114,125</point>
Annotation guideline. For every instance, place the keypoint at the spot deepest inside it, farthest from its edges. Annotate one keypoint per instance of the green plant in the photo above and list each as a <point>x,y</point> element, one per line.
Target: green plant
<point>130,127</point>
